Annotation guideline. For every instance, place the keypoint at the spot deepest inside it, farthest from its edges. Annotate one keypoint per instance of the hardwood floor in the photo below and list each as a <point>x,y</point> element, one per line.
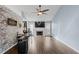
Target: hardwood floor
<point>13,50</point>
<point>37,45</point>
<point>41,45</point>
<point>48,45</point>
<point>45,45</point>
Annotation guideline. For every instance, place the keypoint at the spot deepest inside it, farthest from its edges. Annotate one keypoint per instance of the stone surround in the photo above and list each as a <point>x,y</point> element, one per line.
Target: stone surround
<point>7,33</point>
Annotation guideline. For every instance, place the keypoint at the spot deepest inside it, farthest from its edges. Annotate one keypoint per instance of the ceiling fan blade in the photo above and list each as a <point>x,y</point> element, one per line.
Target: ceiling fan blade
<point>45,10</point>
<point>39,10</point>
<point>45,13</point>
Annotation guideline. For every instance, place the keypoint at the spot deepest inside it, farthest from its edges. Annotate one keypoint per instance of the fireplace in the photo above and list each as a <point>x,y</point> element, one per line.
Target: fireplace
<point>39,32</point>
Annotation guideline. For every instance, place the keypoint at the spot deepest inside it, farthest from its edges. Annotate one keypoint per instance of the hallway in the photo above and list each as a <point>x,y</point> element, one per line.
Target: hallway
<point>52,29</point>
<point>39,29</point>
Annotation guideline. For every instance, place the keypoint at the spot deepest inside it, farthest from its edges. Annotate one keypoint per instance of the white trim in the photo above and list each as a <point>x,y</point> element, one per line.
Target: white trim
<point>8,48</point>
<point>66,44</point>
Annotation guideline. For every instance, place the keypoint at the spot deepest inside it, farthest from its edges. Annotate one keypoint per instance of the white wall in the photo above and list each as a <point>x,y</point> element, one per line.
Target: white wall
<point>66,25</point>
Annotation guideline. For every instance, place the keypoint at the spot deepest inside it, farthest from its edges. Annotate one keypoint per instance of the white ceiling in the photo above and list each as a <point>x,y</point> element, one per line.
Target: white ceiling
<point>29,9</point>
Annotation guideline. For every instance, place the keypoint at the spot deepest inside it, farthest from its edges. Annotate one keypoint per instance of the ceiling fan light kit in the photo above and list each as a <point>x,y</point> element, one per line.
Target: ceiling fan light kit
<point>39,11</point>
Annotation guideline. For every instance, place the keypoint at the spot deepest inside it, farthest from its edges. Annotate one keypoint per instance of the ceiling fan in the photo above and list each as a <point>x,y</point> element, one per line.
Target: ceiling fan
<point>39,10</point>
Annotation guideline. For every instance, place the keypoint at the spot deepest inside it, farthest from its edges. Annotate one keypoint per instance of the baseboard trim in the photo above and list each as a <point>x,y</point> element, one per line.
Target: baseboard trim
<point>66,44</point>
<point>8,48</point>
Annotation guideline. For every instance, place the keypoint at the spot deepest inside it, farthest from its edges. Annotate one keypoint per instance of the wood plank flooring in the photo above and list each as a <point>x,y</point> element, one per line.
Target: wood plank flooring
<point>13,50</point>
<point>41,45</point>
<point>45,45</point>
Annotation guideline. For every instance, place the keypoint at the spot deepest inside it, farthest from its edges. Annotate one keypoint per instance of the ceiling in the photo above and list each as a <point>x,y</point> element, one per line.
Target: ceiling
<point>29,9</point>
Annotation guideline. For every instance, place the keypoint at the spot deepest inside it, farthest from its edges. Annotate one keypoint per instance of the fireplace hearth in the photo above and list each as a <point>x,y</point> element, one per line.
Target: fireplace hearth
<point>39,32</point>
